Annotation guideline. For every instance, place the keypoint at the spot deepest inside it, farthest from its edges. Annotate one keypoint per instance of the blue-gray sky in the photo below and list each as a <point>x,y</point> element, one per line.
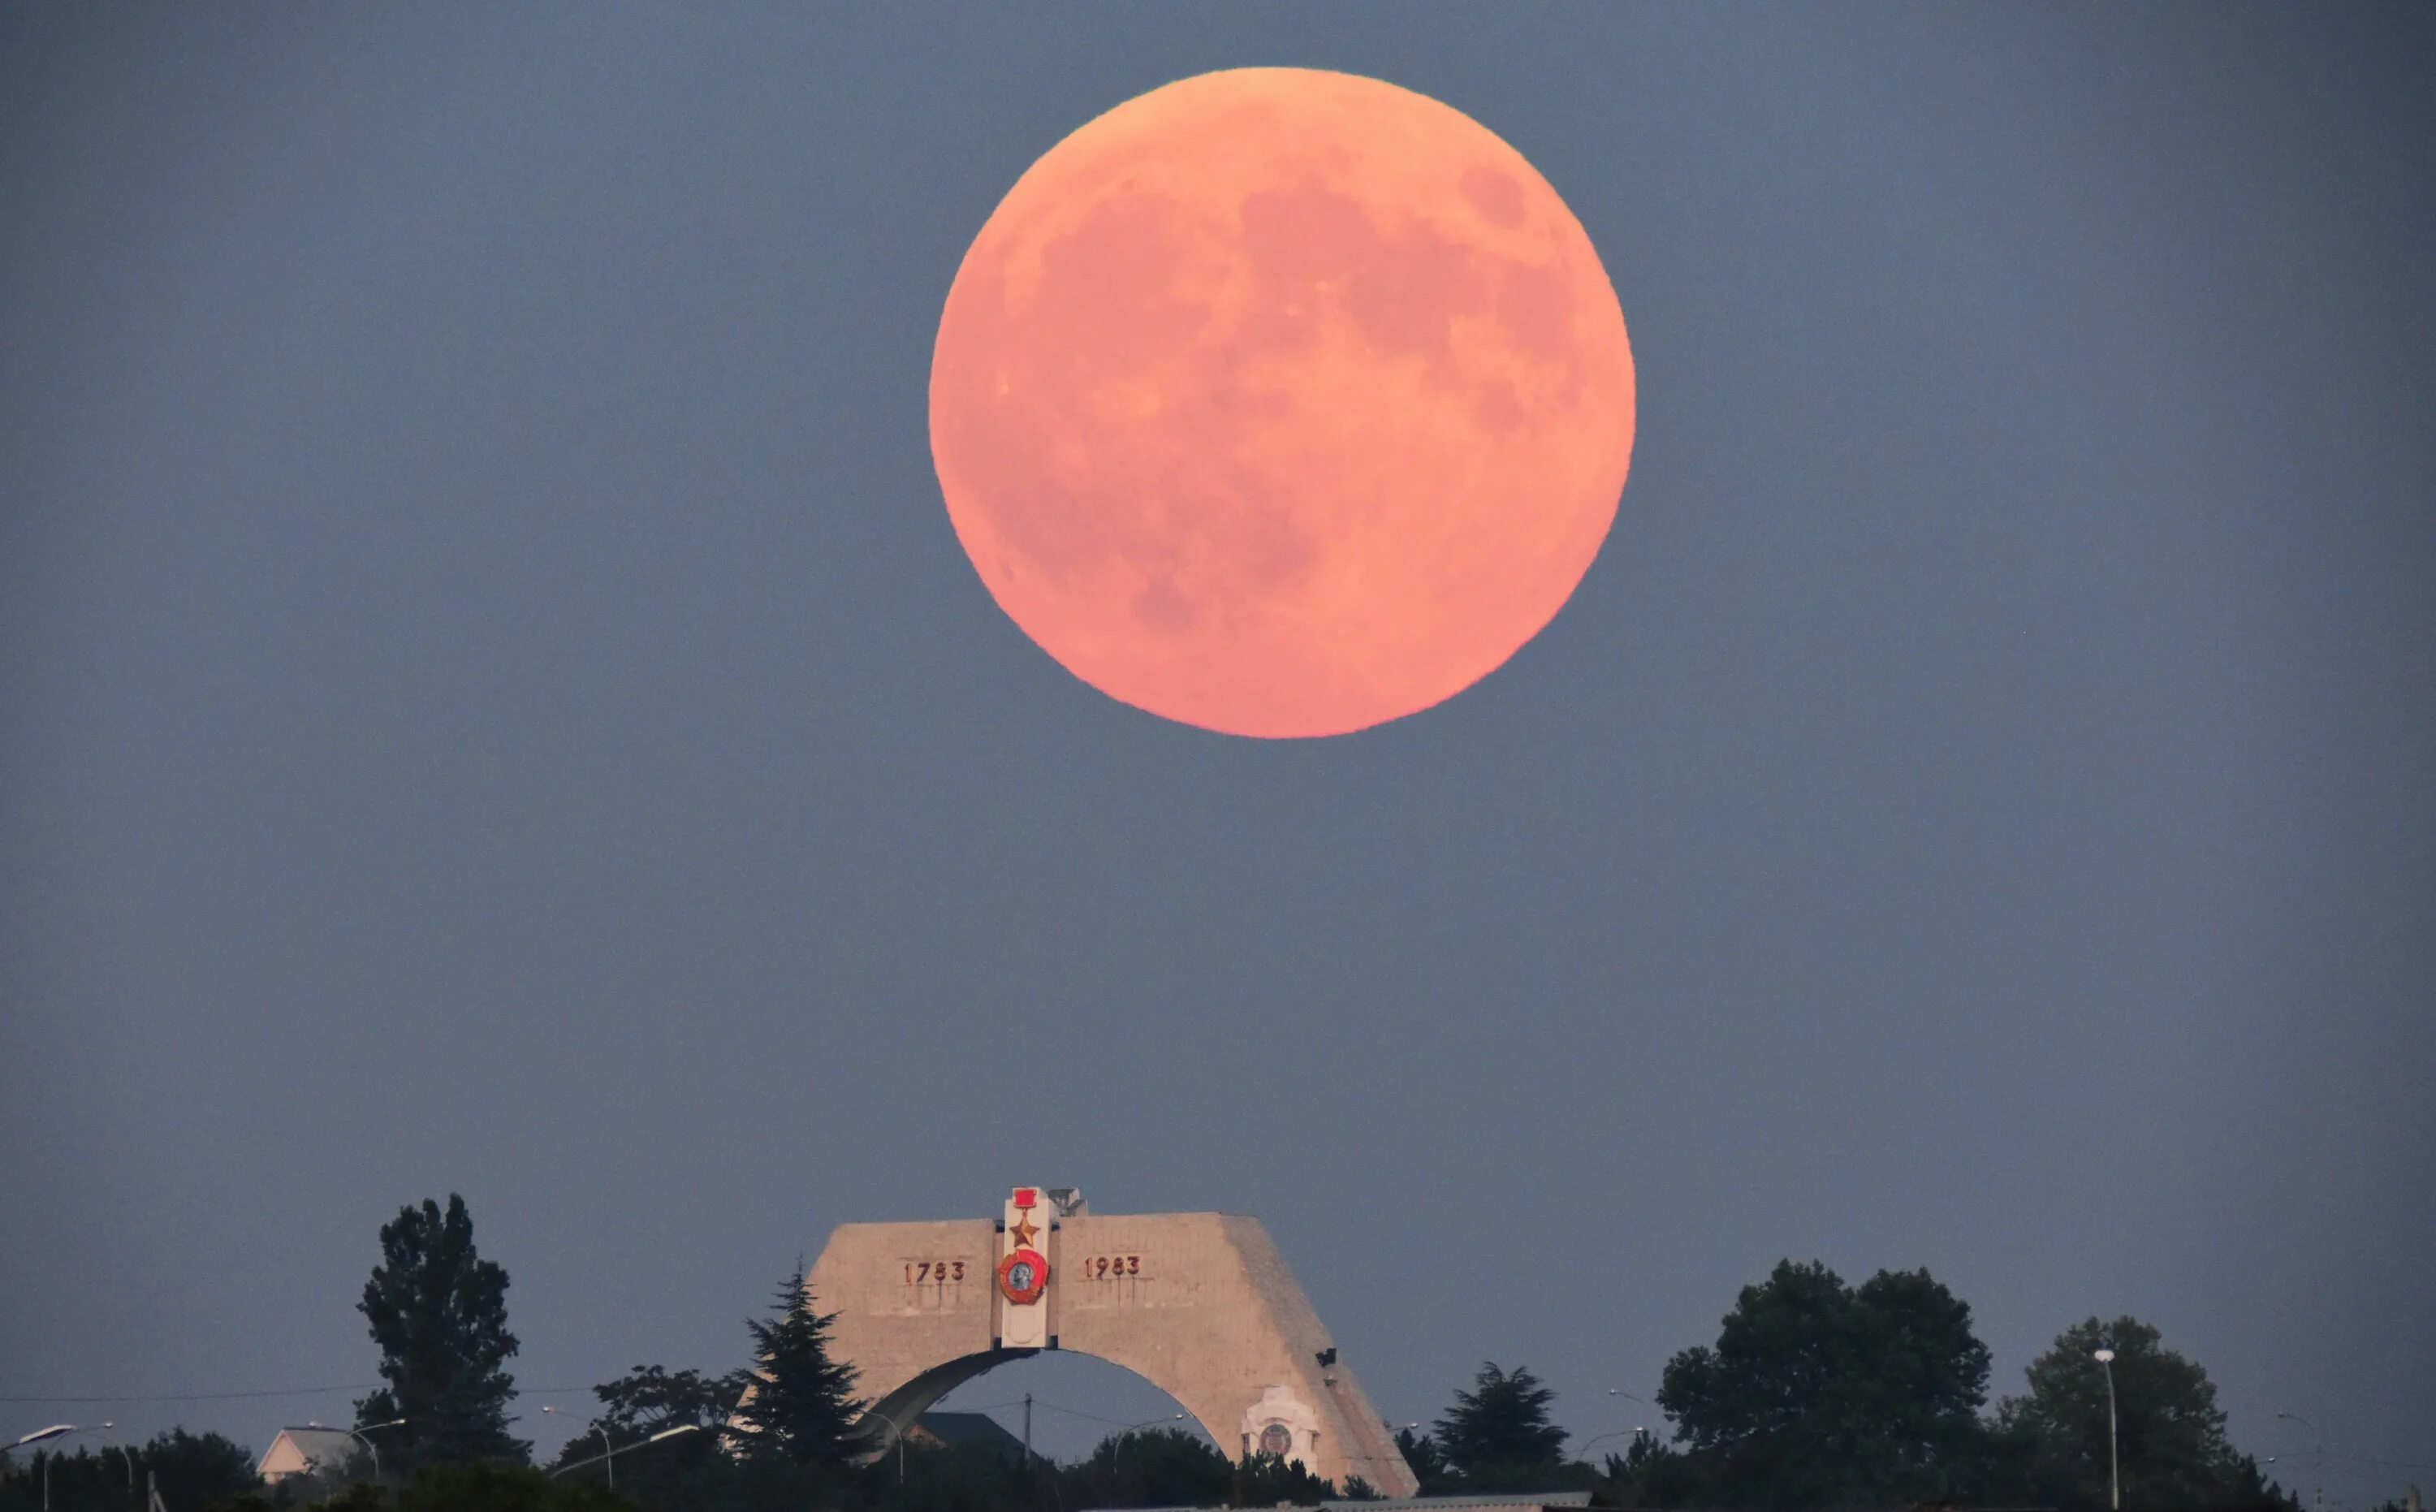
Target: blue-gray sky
<point>489,701</point>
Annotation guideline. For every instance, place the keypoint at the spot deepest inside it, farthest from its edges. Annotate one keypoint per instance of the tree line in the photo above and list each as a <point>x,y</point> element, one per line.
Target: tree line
<point>1820,1394</point>
<point>1817,1394</point>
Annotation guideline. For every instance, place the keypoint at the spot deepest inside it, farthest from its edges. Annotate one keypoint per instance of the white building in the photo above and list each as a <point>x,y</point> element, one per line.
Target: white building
<point>307,1450</point>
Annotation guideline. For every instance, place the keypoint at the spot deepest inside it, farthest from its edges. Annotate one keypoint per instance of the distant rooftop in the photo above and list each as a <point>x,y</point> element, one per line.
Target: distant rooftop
<point>966,1430</point>
<point>1507,1500</point>
<point>1484,1502</point>
<point>307,1449</point>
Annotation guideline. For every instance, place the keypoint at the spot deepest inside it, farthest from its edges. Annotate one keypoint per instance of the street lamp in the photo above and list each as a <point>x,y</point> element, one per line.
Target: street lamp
<point>40,1435</point>
<point>1629,1395</point>
<point>661,1436</point>
<point>1621,1433</point>
<point>1636,1431</point>
<point>1131,1429</point>
<point>2320,1495</point>
<point>2105,1359</point>
<point>357,1433</point>
<point>609,1451</point>
<point>880,1426</point>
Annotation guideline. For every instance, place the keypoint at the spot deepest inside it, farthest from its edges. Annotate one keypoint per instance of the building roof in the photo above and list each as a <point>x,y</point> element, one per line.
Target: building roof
<point>967,1431</point>
<point>1501,1501</point>
<point>1479,1501</point>
<point>309,1448</point>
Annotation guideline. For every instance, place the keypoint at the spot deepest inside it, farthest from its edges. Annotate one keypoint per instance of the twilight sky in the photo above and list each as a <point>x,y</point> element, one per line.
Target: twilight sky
<point>489,701</point>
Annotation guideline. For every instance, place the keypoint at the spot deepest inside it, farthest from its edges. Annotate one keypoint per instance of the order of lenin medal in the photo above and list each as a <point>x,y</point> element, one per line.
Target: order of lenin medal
<point>1023,1276</point>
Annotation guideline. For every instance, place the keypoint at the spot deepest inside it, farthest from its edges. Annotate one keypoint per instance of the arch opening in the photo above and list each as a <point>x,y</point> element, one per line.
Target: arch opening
<point>1078,1401</point>
<point>1199,1306</point>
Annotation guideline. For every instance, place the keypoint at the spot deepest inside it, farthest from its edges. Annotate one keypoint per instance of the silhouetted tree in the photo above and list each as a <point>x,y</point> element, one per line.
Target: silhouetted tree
<point>1421,1454</point>
<point>190,1469</point>
<point>81,1482</point>
<point>1497,1435</point>
<point>501,1488</point>
<point>1818,1394</point>
<point>193,1468</point>
<point>1649,1474</point>
<point>439,1312</point>
<point>964,1478</point>
<point>649,1399</point>
<point>1269,1480</point>
<point>456,1487</point>
<point>1160,1467</point>
<point>2169,1431</point>
<point>802,1409</point>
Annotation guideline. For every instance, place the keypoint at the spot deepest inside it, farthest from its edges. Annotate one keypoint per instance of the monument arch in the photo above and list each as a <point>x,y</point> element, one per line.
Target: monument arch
<point>1200,1305</point>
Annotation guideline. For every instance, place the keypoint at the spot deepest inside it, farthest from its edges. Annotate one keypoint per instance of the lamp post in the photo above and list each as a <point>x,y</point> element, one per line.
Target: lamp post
<point>2319,1496</point>
<point>1131,1429</point>
<point>1629,1395</point>
<point>358,1435</point>
<point>43,1435</point>
<point>1637,1431</point>
<point>129,1455</point>
<point>609,1452</point>
<point>882,1429</point>
<point>2105,1359</point>
<point>39,1435</point>
<point>1635,1434</point>
<point>663,1435</point>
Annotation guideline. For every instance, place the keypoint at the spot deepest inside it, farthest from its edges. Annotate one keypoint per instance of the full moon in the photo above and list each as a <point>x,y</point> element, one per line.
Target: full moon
<point>1281,402</point>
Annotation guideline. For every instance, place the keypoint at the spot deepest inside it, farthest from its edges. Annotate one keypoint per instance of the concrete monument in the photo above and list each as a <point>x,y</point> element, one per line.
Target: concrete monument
<point>1201,1305</point>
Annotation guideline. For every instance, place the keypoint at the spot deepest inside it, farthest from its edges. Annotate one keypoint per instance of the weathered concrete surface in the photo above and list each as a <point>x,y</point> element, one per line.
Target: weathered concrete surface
<point>1201,1305</point>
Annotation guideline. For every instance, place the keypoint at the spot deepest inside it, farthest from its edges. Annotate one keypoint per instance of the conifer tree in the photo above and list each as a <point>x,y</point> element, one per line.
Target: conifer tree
<point>802,1407</point>
<point>1498,1435</point>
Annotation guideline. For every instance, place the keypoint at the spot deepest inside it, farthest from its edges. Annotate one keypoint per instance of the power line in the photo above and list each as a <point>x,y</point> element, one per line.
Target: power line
<point>2389,1464</point>
<point>283,1391</point>
<point>1055,1407</point>
<point>203,1395</point>
<point>1072,1412</point>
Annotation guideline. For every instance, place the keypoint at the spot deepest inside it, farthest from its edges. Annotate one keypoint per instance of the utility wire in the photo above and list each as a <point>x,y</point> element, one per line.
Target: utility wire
<point>1055,1407</point>
<point>204,1396</point>
<point>1072,1412</point>
<point>288,1391</point>
<point>2389,1464</point>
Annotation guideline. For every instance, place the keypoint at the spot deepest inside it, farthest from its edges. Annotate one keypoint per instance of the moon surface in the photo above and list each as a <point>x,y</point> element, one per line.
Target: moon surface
<point>1281,402</point>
